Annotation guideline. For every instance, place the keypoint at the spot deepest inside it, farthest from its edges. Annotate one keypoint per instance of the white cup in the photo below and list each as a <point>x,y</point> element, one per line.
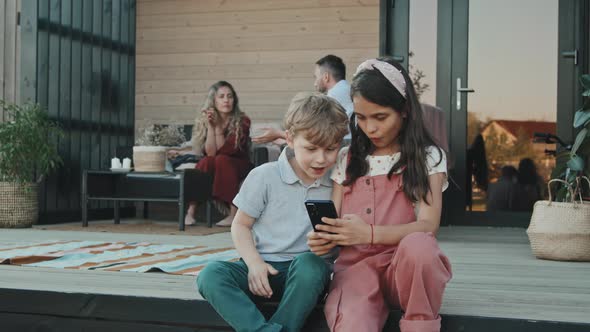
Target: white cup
<point>115,163</point>
<point>126,163</point>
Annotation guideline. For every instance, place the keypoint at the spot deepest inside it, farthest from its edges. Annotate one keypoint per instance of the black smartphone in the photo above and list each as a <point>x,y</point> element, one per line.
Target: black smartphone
<point>316,209</point>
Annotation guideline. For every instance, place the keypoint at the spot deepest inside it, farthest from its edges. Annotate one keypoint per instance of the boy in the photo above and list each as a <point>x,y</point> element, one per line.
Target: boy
<point>270,227</point>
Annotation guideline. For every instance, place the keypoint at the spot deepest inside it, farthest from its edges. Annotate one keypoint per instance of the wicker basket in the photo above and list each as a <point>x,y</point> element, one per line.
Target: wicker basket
<point>149,158</point>
<point>560,230</point>
<point>18,205</point>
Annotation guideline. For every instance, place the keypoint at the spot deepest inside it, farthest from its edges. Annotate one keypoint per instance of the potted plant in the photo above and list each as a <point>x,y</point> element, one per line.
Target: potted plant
<point>28,152</point>
<point>560,230</point>
<point>149,152</point>
<point>572,165</point>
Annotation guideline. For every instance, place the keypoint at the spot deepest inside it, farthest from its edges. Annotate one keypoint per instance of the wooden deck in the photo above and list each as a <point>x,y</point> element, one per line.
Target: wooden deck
<point>497,285</point>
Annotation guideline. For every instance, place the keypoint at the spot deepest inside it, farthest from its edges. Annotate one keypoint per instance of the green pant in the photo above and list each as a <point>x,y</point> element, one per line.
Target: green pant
<point>298,285</point>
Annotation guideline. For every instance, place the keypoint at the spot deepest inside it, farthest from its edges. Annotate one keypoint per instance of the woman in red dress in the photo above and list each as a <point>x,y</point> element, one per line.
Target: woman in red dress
<point>222,134</point>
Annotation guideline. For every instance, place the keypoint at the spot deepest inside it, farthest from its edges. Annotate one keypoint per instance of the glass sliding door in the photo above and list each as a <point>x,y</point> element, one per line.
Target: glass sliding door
<point>496,72</point>
<point>499,87</point>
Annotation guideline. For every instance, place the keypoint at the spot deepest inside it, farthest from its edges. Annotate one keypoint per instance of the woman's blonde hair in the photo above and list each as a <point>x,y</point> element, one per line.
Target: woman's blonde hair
<point>200,128</point>
<point>321,119</point>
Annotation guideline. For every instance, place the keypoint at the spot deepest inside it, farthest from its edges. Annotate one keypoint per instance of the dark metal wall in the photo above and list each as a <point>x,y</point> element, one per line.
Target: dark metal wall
<point>394,29</point>
<point>573,61</point>
<point>9,57</point>
<point>78,62</point>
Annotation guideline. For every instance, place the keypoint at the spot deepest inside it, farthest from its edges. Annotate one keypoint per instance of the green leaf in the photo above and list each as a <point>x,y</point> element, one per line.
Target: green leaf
<point>581,118</point>
<point>586,93</point>
<point>26,144</point>
<point>561,194</point>
<point>579,139</point>
<point>585,80</point>
<point>576,163</point>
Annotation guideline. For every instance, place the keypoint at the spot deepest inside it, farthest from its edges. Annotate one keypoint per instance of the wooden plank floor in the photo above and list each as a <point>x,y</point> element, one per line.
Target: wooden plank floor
<point>494,275</point>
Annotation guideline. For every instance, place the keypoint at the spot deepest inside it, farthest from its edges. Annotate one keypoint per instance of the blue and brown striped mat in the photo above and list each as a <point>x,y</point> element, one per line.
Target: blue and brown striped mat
<point>115,256</point>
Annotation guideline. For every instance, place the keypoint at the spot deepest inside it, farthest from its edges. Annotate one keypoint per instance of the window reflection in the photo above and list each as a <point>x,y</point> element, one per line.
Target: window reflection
<point>514,73</point>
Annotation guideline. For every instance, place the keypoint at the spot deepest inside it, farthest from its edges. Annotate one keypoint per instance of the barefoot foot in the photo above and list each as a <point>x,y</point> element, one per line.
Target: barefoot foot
<point>189,220</point>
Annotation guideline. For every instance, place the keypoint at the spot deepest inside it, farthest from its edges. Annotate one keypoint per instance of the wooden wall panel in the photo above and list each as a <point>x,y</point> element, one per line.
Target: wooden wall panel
<point>266,49</point>
<point>9,48</point>
<point>353,13</point>
<point>158,7</point>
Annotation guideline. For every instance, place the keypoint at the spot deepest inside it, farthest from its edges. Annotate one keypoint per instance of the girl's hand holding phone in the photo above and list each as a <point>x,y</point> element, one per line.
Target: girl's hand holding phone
<point>317,245</point>
<point>347,231</point>
<point>258,278</point>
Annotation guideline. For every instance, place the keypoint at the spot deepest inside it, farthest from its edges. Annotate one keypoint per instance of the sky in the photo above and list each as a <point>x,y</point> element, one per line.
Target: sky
<point>512,61</point>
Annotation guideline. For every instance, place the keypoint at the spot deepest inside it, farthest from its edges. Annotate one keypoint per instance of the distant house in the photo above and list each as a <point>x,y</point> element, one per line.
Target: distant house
<point>509,131</point>
<point>511,128</point>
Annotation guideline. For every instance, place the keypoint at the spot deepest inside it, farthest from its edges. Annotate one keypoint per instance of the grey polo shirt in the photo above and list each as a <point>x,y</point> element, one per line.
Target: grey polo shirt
<point>274,195</point>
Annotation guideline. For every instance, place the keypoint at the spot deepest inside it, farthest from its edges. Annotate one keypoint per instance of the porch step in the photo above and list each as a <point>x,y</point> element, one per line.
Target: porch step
<point>31,310</point>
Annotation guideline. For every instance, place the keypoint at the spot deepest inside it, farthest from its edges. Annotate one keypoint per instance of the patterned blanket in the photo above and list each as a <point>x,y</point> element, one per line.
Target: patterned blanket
<point>115,256</point>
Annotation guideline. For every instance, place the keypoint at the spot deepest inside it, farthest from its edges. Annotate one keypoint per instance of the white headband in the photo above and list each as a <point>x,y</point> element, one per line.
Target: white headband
<point>393,75</point>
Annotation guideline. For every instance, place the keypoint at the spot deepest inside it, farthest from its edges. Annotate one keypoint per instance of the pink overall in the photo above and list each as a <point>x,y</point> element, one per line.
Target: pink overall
<point>368,279</point>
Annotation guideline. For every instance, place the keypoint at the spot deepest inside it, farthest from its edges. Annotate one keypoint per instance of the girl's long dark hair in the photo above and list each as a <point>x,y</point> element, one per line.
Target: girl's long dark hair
<point>413,137</point>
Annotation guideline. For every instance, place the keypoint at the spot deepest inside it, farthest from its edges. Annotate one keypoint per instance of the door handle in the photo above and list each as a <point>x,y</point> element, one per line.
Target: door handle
<point>461,90</point>
<point>398,58</point>
<point>571,54</point>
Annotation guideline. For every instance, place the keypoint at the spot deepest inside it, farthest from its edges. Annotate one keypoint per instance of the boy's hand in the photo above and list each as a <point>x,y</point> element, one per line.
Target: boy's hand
<point>258,279</point>
<point>318,245</point>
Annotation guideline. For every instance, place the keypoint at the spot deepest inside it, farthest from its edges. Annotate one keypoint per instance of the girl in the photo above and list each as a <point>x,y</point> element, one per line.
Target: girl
<point>222,133</point>
<point>388,188</point>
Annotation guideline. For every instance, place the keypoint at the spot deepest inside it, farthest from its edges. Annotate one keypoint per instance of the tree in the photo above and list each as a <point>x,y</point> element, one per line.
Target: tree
<point>499,151</point>
<point>417,75</point>
<point>474,126</point>
<point>523,147</point>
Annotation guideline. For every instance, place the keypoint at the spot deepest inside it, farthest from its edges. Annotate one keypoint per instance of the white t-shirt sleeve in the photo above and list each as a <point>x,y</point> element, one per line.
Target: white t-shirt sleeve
<point>433,156</point>
<point>339,171</point>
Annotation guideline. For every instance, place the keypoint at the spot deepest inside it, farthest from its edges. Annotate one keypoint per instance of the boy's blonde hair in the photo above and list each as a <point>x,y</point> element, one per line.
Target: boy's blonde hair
<point>321,119</point>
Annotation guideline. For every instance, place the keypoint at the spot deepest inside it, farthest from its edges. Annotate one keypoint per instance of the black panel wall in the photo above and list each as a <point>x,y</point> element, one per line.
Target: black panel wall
<point>78,62</point>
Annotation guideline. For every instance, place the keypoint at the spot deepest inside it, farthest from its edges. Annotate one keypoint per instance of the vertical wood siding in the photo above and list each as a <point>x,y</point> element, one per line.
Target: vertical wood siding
<point>78,64</point>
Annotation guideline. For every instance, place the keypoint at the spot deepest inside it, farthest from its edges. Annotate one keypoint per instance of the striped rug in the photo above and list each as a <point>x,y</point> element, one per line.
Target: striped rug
<point>115,256</point>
